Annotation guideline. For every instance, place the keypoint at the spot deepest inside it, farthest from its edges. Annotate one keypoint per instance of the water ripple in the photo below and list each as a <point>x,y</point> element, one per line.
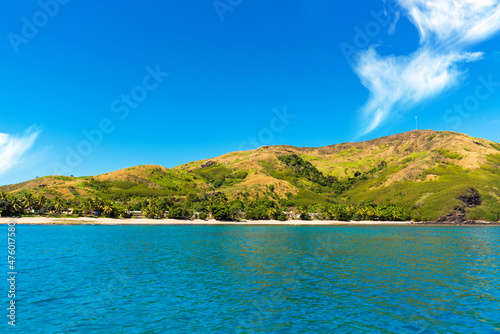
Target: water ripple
<point>258,279</point>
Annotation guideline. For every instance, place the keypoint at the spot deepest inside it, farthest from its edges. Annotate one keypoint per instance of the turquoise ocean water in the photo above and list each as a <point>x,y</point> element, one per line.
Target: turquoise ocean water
<point>256,279</point>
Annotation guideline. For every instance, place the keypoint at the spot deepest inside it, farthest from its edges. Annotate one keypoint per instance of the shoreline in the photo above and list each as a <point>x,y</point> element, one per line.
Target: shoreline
<point>143,221</point>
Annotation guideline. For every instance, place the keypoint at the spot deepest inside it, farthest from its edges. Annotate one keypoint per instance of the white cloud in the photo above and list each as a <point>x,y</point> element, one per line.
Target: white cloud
<point>392,27</point>
<point>447,28</point>
<point>453,22</point>
<point>13,148</point>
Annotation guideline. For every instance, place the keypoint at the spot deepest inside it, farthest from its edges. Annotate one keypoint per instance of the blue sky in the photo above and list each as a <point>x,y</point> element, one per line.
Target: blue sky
<point>88,88</point>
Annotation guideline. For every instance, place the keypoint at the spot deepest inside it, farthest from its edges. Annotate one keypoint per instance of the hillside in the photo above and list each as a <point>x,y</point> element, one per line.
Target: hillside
<point>428,172</point>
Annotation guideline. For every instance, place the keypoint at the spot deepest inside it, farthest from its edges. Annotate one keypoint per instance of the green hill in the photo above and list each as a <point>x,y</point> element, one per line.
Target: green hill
<point>429,173</point>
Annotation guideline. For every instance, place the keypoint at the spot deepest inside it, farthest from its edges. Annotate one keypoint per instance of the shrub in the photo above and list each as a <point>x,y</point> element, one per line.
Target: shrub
<point>280,216</point>
<point>356,217</point>
<point>495,146</point>
<point>450,155</point>
<point>5,208</point>
<point>257,213</point>
<point>305,216</point>
<point>220,212</point>
<point>241,175</point>
<point>176,213</point>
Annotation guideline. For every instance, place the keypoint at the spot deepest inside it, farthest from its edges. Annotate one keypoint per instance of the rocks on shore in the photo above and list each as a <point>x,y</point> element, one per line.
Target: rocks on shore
<point>470,199</point>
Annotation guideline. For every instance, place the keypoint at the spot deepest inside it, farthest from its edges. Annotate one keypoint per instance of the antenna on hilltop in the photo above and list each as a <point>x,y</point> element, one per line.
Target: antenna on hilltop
<point>416,123</point>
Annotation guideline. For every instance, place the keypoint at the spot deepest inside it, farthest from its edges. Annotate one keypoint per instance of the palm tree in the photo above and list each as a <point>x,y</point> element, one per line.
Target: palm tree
<point>108,209</point>
<point>370,212</point>
<point>29,201</point>
<point>85,206</point>
<point>40,202</point>
<point>395,213</point>
<point>271,212</point>
<point>96,204</point>
<point>349,209</point>
<point>152,211</point>
<point>4,195</point>
<point>58,204</point>
<point>17,205</point>
<point>362,212</point>
<point>148,211</point>
<point>377,212</point>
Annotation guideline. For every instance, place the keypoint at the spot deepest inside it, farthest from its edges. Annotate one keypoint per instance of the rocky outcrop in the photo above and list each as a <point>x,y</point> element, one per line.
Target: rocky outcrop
<point>470,199</point>
<point>458,216</point>
<point>209,163</point>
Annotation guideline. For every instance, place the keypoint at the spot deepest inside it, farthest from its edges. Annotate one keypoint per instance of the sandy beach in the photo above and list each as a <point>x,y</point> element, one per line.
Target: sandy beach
<point>110,221</point>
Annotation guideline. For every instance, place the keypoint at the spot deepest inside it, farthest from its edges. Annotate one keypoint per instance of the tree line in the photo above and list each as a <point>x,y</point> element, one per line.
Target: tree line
<point>197,206</point>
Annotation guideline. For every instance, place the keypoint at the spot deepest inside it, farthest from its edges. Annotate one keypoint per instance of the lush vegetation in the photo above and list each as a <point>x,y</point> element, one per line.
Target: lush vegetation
<point>432,199</point>
<point>305,169</point>
<point>419,175</point>
<point>299,168</point>
<point>319,197</point>
<point>219,176</point>
<point>201,206</point>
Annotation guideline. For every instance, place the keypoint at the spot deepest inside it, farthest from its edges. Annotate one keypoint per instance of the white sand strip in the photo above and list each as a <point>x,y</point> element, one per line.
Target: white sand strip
<point>110,221</point>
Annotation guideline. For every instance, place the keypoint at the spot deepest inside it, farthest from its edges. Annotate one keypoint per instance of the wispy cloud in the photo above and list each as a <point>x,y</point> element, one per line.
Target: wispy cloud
<point>447,28</point>
<point>13,148</point>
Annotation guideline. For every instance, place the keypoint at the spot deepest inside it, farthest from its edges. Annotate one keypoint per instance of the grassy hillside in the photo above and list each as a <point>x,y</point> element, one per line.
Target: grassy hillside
<point>427,172</point>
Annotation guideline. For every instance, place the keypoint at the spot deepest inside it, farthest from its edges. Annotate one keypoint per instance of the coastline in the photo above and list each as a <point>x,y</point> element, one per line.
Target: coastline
<point>130,221</point>
<point>114,221</point>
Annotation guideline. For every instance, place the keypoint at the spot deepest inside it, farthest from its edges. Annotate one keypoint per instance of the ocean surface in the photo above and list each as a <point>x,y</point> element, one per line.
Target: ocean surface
<point>256,279</point>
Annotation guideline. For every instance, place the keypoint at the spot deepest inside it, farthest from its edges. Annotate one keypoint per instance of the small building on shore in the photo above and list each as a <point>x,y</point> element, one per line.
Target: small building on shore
<point>135,214</point>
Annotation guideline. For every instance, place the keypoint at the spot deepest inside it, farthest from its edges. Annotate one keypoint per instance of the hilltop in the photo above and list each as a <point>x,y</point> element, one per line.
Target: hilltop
<point>430,173</point>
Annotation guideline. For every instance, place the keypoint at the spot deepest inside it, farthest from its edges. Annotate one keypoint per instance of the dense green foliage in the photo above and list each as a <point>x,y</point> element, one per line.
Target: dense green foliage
<point>305,169</point>
<point>196,206</point>
<point>299,168</point>
<point>220,176</point>
<point>5,208</point>
<point>432,199</point>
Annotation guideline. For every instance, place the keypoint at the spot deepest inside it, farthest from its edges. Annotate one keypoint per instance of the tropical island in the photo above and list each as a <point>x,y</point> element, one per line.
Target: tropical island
<point>423,176</point>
